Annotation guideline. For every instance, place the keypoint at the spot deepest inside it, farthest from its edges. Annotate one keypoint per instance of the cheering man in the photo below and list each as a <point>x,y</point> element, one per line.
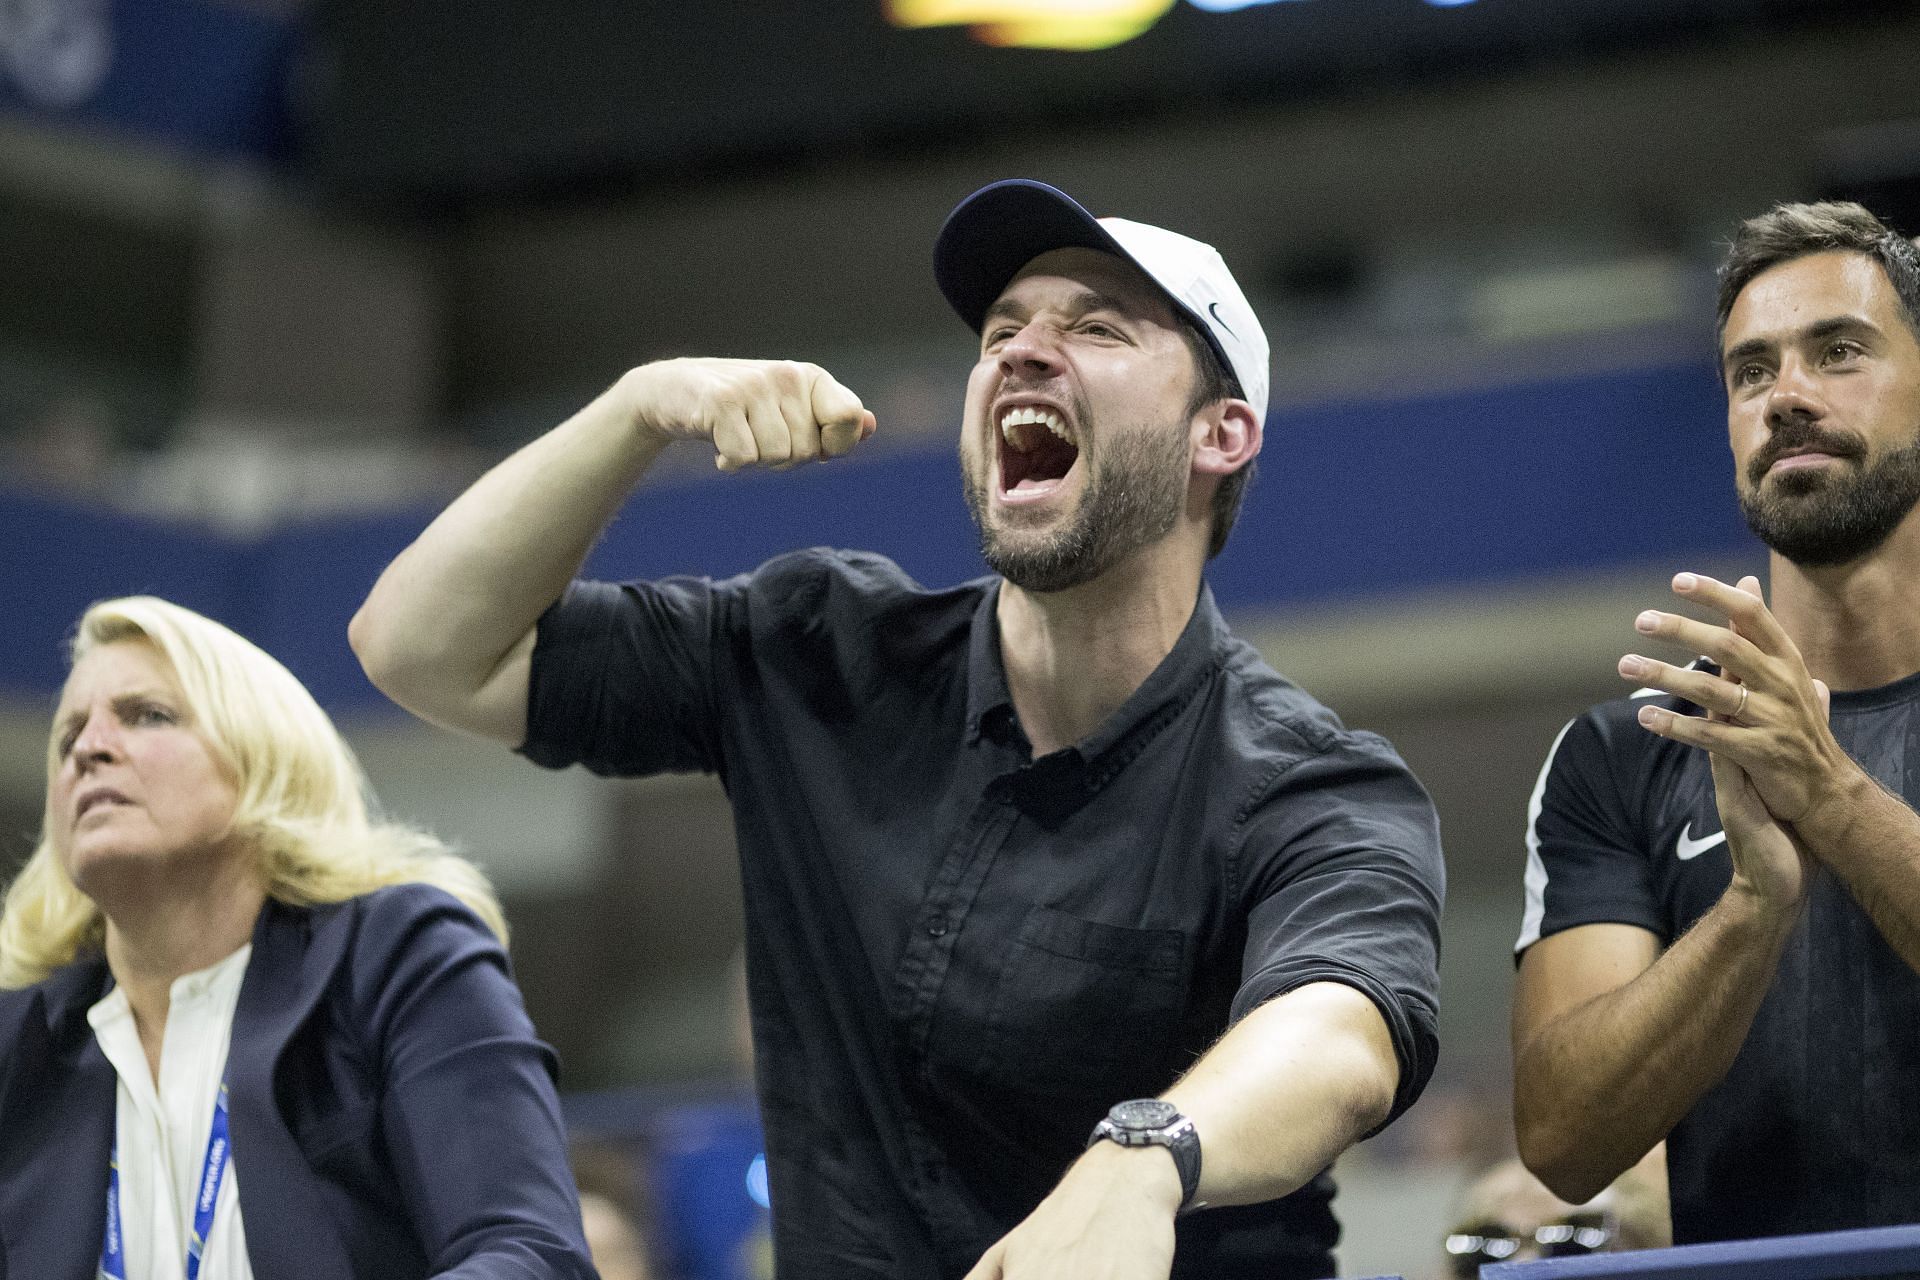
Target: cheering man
<point>1723,875</point>
<point>1038,853</point>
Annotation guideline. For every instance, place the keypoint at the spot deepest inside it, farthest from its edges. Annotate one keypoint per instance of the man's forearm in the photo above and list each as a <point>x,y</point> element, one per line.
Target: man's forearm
<point>1274,1101</point>
<point>449,609</point>
<point>1598,1086</point>
<point>1871,839</point>
<point>1292,1085</point>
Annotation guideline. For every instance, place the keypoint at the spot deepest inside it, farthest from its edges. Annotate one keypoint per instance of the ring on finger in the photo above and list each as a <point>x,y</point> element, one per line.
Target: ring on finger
<point>1734,716</point>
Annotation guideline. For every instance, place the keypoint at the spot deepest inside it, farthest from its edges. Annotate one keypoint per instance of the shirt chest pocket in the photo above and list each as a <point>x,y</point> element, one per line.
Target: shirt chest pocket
<point>1085,1006</point>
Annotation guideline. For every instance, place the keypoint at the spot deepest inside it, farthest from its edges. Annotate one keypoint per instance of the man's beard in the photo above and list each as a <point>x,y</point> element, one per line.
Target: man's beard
<point>1135,492</point>
<point>1818,517</point>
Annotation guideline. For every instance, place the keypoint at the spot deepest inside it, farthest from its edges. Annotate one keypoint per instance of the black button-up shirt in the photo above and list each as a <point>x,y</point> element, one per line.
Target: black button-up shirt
<point>960,956</point>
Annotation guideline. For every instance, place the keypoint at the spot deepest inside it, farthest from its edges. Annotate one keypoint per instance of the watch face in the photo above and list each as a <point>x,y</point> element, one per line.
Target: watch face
<point>1144,1113</point>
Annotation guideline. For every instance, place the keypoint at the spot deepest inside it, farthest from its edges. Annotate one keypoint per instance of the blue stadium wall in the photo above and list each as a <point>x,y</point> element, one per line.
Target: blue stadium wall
<point>1354,500</point>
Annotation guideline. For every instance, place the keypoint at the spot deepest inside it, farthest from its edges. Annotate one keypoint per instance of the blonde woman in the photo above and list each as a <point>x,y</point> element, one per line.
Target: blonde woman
<point>245,1030</point>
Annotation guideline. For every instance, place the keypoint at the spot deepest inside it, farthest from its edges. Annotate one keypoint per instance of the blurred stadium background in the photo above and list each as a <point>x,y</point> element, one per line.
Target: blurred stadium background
<point>277,277</point>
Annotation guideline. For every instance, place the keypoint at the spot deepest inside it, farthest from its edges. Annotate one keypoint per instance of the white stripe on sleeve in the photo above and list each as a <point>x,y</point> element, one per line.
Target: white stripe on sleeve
<point>1536,877</point>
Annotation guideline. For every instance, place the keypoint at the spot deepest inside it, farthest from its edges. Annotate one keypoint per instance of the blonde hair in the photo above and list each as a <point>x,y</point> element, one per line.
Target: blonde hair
<point>303,802</point>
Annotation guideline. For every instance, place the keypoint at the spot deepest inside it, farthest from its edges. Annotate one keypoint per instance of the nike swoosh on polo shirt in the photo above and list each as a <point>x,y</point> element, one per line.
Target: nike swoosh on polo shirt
<point>1687,848</point>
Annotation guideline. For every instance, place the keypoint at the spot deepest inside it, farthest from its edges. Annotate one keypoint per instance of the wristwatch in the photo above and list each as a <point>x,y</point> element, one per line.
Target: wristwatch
<point>1151,1122</point>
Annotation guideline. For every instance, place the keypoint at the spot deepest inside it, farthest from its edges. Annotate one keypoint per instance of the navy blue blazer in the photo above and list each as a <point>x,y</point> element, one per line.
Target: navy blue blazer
<point>393,1115</point>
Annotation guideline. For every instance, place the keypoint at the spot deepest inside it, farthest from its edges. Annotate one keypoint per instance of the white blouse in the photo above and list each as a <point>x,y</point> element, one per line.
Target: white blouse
<point>162,1131</point>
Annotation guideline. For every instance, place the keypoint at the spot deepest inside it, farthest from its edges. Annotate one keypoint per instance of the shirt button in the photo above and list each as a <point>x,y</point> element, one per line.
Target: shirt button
<point>936,926</point>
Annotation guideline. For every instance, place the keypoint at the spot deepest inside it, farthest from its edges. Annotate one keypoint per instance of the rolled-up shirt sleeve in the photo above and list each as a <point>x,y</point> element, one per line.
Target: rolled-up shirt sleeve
<point>1343,869</point>
<point>623,677</point>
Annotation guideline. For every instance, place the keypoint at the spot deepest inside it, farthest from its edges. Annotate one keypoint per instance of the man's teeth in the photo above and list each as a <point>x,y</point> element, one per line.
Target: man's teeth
<point>1031,417</point>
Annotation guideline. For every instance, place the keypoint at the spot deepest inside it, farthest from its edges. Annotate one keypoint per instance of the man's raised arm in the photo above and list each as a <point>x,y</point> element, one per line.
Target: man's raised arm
<point>448,630</point>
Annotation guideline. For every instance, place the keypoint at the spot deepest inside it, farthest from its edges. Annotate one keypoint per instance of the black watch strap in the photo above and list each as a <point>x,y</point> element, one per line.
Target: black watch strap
<point>1145,1122</point>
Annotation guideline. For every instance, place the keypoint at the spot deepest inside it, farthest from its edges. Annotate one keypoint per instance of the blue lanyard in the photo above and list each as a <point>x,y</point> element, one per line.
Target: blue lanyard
<point>113,1258</point>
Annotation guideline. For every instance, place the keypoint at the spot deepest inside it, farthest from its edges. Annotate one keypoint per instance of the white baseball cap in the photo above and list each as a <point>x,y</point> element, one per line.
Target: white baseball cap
<point>1000,228</point>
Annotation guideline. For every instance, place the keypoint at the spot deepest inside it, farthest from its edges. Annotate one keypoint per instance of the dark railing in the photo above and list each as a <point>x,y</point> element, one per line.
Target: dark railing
<point>1833,1255</point>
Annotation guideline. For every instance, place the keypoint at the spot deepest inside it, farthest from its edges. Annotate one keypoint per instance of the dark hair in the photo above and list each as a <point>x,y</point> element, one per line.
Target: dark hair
<point>1789,231</point>
<point>1213,381</point>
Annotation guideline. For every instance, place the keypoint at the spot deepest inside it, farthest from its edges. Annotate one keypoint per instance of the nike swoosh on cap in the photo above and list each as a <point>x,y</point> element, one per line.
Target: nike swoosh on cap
<point>1687,847</point>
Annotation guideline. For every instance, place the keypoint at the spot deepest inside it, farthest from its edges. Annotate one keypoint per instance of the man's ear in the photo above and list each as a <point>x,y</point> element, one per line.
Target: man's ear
<point>1226,436</point>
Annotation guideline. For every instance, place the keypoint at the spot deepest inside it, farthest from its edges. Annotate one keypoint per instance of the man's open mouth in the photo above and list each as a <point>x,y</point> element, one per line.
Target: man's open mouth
<point>1037,448</point>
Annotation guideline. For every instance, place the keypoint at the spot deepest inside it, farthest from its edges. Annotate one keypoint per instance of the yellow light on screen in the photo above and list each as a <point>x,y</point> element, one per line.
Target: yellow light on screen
<point>1036,24</point>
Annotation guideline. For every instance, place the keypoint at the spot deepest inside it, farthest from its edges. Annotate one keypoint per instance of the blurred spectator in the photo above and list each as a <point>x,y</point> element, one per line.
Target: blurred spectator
<point>618,1251</point>
<point>754,1261</point>
<point>739,1020</point>
<point>615,1210</point>
<point>1508,1215</point>
<point>1459,1124</point>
